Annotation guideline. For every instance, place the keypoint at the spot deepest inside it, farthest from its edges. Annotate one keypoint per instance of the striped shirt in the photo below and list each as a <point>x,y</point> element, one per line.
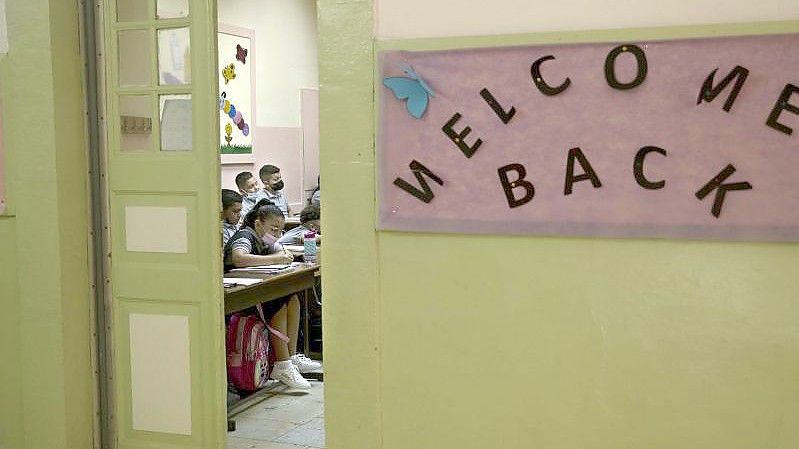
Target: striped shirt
<point>227,232</point>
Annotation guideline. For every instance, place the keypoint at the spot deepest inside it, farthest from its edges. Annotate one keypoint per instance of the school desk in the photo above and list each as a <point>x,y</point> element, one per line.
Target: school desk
<point>274,286</point>
<point>300,279</point>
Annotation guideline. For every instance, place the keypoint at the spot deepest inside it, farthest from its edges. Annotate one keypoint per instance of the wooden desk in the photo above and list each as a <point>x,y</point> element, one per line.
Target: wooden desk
<point>274,286</point>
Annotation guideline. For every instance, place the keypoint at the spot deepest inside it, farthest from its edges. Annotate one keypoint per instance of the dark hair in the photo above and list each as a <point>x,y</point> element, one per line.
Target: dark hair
<point>261,210</point>
<point>318,186</point>
<point>267,171</point>
<point>311,212</point>
<point>229,198</point>
<point>242,178</point>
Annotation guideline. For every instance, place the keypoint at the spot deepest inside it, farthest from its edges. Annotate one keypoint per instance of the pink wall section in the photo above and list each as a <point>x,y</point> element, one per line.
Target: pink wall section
<point>281,147</point>
<point>309,117</point>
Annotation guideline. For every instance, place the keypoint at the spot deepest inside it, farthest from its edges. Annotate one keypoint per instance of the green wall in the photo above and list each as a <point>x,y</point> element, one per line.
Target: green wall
<point>45,324</point>
<point>455,341</point>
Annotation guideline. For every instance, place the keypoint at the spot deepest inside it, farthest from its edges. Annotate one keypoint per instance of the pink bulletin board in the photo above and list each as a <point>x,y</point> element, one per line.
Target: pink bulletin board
<point>653,156</point>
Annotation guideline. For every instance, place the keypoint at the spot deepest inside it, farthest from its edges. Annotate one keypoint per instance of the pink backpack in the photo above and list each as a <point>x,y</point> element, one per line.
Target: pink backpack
<point>250,357</point>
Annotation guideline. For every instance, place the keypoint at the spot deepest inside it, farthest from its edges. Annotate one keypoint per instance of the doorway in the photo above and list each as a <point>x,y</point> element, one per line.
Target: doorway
<point>162,306</point>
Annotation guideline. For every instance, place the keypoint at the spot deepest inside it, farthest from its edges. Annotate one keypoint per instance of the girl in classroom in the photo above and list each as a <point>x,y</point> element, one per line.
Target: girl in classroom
<point>254,244</point>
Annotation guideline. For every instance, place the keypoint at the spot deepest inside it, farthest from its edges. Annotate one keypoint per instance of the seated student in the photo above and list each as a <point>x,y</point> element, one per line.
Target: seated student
<point>231,214</point>
<point>273,186</point>
<point>316,195</point>
<point>248,188</point>
<point>309,221</point>
<point>255,244</point>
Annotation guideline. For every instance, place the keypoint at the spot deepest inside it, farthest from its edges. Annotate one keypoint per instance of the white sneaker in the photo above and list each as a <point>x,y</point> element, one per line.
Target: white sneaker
<point>304,364</point>
<point>286,372</point>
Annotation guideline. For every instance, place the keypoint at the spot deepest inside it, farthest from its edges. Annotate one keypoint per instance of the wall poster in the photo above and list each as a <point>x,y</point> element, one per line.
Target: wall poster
<point>3,29</point>
<point>236,77</point>
<point>689,138</point>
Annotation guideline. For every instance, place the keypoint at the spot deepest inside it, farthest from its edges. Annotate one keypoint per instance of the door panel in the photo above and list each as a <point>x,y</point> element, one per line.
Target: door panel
<point>163,192</point>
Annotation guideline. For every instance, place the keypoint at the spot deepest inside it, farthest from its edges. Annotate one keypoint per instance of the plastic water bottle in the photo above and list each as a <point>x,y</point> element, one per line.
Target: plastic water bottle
<point>309,247</point>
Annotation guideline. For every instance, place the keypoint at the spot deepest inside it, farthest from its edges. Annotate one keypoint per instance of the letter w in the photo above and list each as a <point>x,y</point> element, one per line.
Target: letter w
<point>709,93</point>
<point>425,193</point>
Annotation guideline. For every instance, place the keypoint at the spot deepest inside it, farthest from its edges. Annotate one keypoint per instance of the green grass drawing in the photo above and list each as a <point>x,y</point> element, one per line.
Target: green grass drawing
<point>235,149</point>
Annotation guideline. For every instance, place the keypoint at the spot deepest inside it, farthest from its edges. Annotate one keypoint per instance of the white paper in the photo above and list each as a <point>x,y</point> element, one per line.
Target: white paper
<point>241,281</point>
<point>3,32</point>
<point>176,124</point>
<point>265,268</point>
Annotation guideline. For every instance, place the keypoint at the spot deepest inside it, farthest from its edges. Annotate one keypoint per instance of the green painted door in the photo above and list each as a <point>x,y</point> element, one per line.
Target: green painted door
<point>165,293</point>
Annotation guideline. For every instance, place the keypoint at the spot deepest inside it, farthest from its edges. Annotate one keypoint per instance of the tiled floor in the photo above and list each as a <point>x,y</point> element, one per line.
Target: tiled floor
<point>287,419</point>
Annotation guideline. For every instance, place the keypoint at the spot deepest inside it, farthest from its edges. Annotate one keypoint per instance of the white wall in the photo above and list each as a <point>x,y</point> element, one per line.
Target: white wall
<point>424,18</point>
<point>285,64</point>
<point>285,39</point>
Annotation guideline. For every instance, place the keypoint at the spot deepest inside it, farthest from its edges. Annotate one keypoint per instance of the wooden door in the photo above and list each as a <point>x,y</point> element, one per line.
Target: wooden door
<point>162,169</point>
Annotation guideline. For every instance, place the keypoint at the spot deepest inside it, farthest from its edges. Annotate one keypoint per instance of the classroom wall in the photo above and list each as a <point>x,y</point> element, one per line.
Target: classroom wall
<point>463,341</point>
<point>45,323</point>
<point>286,64</point>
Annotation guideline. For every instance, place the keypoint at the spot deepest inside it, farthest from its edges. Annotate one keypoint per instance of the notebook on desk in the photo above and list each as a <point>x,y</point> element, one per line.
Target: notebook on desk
<point>265,268</point>
<point>232,282</point>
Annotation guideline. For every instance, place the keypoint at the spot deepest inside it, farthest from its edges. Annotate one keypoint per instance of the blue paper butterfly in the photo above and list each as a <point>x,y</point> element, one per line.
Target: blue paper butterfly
<point>413,87</point>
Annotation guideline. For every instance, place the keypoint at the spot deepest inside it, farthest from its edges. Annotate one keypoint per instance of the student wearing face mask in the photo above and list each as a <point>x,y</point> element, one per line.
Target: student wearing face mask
<point>310,220</point>
<point>248,188</point>
<point>231,214</point>
<point>255,243</point>
<point>273,187</point>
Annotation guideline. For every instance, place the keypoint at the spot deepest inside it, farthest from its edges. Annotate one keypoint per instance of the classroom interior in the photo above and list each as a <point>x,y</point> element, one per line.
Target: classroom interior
<point>268,72</point>
<point>431,339</point>
<point>269,116</point>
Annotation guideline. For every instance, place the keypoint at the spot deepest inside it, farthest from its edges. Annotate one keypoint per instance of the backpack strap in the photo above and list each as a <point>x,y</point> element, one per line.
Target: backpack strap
<point>277,333</point>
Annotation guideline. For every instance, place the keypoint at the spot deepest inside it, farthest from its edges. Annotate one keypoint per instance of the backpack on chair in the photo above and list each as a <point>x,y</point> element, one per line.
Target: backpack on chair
<point>250,356</point>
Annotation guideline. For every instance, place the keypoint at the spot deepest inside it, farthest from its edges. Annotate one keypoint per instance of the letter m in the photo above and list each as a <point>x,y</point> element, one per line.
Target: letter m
<point>425,193</point>
<point>709,92</point>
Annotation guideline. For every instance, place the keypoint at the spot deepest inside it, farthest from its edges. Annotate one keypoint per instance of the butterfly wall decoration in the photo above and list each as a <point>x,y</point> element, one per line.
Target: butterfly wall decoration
<point>241,54</point>
<point>412,88</point>
<point>229,73</point>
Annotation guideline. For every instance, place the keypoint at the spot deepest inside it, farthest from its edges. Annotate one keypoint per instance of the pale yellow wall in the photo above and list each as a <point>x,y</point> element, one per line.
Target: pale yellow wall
<point>45,333</point>
<point>448,341</point>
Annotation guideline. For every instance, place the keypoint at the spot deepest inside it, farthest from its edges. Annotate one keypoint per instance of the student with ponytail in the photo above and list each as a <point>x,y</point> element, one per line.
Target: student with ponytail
<point>255,243</point>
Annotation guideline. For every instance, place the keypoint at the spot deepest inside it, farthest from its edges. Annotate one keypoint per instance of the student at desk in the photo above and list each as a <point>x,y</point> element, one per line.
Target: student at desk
<point>248,188</point>
<point>273,188</point>
<point>255,243</point>
<point>231,214</point>
<point>309,221</point>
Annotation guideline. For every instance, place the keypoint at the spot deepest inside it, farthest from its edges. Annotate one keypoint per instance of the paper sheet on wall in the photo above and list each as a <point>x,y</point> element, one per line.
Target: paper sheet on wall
<point>3,32</point>
<point>176,125</point>
<point>672,139</point>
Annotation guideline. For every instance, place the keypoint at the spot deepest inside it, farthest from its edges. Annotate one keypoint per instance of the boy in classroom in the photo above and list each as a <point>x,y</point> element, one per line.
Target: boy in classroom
<point>231,214</point>
<point>310,220</point>
<point>254,244</point>
<point>248,188</point>
<point>273,188</point>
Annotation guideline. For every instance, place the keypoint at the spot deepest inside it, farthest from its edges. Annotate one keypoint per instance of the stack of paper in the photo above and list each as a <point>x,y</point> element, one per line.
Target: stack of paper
<point>241,281</point>
<point>265,268</point>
